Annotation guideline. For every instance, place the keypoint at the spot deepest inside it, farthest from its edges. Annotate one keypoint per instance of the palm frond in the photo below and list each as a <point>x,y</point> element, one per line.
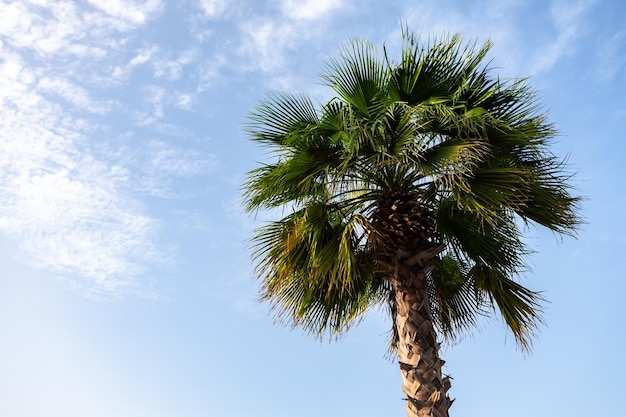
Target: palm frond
<point>278,115</point>
<point>519,307</point>
<point>434,69</point>
<point>315,270</point>
<point>489,237</point>
<point>358,76</point>
<point>456,302</point>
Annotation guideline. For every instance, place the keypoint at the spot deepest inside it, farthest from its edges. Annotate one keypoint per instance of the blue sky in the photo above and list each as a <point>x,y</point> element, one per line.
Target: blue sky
<point>126,287</point>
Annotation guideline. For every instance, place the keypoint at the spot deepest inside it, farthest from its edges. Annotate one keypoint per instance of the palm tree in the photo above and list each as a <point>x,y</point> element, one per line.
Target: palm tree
<point>410,189</point>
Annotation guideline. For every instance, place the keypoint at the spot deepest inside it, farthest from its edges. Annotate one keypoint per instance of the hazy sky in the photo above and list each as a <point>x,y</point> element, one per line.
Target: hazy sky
<point>126,287</point>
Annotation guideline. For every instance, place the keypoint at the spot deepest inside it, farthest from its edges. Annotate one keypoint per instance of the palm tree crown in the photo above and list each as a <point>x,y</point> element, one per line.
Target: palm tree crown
<point>414,180</point>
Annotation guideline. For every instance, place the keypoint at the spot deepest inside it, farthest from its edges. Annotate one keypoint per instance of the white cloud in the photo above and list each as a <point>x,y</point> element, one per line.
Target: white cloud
<point>184,101</point>
<point>159,168</point>
<point>127,10</point>
<point>155,97</point>
<point>14,80</point>
<point>57,28</point>
<point>210,71</point>
<point>266,40</point>
<point>213,8</point>
<point>262,40</point>
<point>25,28</point>
<point>173,69</point>
<point>165,160</point>
<point>164,67</point>
<point>309,9</point>
<point>267,37</point>
<point>62,28</point>
<point>142,57</point>
<point>74,94</point>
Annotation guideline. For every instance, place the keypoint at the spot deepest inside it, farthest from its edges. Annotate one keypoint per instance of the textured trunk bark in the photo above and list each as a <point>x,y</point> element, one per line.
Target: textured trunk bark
<point>406,249</point>
<point>423,383</point>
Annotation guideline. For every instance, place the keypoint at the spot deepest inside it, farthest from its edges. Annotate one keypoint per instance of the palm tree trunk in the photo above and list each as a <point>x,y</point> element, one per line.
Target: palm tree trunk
<point>406,249</point>
<point>423,383</point>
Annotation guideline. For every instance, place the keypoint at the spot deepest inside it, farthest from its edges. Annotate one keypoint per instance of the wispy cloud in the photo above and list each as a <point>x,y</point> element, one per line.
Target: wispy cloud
<point>52,28</point>
<point>143,56</point>
<point>72,207</point>
<point>128,11</point>
<point>270,39</point>
<point>157,169</point>
<point>64,207</point>
<point>172,69</point>
<point>210,71</point>
<point>309,9</point>
<point>265,40</point>
<point>517,50</point>
<point>612,56</point>
<point>568,18</point>
<point>213,8</point>
<point>72,93</point>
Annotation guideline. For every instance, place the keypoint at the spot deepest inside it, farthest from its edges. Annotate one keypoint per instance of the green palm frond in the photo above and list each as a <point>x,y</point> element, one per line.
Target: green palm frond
<point>434,69</point>
<point>317,271</point>
<point>519,307</point>
<point>358,76</point>
<point>279,115</point>
<point>456,302</point>
<point>490,238</point>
